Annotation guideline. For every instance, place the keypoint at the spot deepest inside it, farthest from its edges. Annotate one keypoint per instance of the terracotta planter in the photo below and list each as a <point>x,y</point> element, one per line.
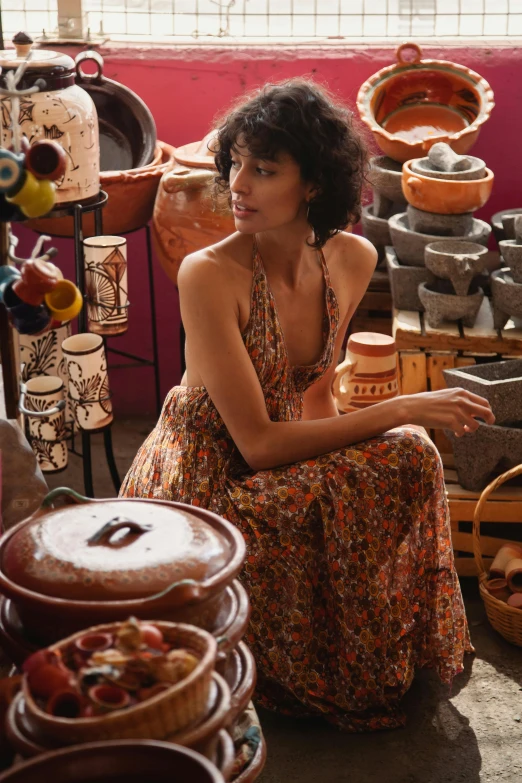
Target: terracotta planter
<point>131,199</point>
<point>185,217</point>
<point>412,104</point>
<point>445,196</point>
<point>115,761</point>
<point>173,561</point>
<point>498,588</point>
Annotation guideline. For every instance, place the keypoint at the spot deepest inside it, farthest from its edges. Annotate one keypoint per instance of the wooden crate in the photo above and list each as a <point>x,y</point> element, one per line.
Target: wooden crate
<point>503,506</point>
<point>424,352</point>
<point>374,313</point>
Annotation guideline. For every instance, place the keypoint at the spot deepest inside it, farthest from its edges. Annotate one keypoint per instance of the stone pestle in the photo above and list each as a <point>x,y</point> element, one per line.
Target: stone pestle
<point>443,158</point>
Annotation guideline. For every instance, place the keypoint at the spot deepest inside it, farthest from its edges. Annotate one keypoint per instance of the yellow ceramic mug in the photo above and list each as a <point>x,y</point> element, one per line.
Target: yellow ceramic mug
<point>368,373</point>
<point>64,302</point>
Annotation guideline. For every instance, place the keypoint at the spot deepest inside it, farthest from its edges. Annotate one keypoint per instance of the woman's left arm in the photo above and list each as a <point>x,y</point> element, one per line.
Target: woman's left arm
<point>351,261</point>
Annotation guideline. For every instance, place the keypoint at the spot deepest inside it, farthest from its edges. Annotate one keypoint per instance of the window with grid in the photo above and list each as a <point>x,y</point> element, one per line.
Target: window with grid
<point>353,20</point>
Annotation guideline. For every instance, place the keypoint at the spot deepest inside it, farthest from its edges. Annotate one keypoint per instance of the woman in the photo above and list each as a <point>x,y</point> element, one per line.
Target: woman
<point>350,569</point>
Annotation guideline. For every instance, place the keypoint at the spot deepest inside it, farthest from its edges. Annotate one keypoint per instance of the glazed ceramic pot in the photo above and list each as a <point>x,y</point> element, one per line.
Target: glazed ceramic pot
<point>369,372</point>
<point>445,196</point>
<point>62,112</point>
<point>186,217</point>
<point>47,432</point>
<point>240,676</point>
<point>113,761</point>
<point>88,381</point>
<point>414,103</point>
<point>102,561</point>
<point>131,195</point>
<point>105,260</point>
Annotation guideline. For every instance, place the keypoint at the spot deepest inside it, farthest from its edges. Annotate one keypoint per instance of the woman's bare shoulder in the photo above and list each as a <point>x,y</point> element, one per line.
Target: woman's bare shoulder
<point>352,251</point>
<point>219,259</point>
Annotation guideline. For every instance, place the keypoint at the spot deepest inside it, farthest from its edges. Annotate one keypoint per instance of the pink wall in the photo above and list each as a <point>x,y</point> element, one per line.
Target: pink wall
<point>185,88</point>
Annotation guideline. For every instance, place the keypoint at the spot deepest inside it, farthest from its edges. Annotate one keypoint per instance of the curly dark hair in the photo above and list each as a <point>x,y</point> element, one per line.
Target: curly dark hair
<point>303,119</point>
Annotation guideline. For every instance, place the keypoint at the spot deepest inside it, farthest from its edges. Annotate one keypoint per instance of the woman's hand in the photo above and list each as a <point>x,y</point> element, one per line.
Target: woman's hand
<point>453,409</point>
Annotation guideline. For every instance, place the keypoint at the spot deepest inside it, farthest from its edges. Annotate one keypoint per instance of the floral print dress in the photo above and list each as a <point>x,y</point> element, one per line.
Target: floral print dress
<point>349,564</point>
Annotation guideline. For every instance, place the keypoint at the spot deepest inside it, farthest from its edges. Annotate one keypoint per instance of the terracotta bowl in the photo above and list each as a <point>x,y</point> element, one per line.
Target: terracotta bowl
<point>131,199</point>
<point>444,196</point>
<point>114,761</point>
<point>412,104</point>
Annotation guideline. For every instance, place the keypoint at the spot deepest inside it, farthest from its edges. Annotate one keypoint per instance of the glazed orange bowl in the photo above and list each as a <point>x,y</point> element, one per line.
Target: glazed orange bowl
<point>445,196</point>
<point>414,103</point>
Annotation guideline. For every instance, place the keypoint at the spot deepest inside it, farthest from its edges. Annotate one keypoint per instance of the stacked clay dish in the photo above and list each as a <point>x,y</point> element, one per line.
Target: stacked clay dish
<point>505,575</point>
<point>506,283</point>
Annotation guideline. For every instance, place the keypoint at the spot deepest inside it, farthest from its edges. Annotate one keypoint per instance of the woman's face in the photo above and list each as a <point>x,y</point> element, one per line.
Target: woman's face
<point>266,194</point>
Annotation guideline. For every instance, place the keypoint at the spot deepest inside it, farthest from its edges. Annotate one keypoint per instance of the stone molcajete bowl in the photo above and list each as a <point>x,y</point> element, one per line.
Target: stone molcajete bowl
<point>414,103</point>
<point>410,245</point>
<point>405,281</point>
<point>457,261</point>
<point>442,307</point>
<point>498,382</point>
<point>485,453</point>
<point>477,169</point>
<point>507,297</point>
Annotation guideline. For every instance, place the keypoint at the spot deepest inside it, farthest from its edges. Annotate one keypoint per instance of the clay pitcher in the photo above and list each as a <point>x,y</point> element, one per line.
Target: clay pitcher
<point>186,217</point>
<point>368,374</point>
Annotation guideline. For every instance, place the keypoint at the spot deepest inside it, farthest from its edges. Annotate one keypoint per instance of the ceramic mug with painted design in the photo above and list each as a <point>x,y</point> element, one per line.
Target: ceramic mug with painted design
<point>368,374</point>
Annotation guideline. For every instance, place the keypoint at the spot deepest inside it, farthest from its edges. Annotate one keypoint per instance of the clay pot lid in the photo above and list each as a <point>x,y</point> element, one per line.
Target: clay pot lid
<point>371,344</point>
<point>55,68</point>
<point>114,550</point>
<point>197,154</point>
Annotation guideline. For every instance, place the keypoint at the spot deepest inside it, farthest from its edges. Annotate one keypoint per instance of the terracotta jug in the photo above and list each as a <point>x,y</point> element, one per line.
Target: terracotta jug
<point>368,373</point>
<point>186,217</point>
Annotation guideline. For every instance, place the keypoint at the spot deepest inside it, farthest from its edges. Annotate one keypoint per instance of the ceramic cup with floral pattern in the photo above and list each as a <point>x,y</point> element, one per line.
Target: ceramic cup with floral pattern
<point>46,393</point>
<point>88,381</point>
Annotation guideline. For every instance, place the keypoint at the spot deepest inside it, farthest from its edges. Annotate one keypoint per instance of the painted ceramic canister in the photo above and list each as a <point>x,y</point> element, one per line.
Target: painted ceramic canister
<point>47,434</point>
<point>106,284</point>
<point>61,111</point>
<point>88,384</point>
<point>186,216</point>
<point>369,372</point>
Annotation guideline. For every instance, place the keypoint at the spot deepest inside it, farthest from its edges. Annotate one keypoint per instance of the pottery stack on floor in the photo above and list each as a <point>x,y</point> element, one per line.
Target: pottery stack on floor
<point>443,190</point>
<point>491,449</point>
<point>388,199</point>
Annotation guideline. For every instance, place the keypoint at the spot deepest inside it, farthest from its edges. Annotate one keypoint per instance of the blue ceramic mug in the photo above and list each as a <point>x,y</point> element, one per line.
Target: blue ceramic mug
<point>25,318</point>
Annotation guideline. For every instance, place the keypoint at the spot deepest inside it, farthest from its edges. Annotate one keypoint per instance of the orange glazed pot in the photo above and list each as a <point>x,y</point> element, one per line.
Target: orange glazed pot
<point>131,199</point>
<point>101,561</point>
<point>445,196</point>
<point>412,104</point>
<point>186,218</point>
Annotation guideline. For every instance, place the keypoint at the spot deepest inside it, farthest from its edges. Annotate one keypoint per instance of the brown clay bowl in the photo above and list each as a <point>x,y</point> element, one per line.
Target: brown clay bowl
<point>131,199</point>
<point>240,674</point>
<point>12,640</point>
<point>115,761</point>
<point>225,754</point>
<point>445,196</point>
<point>399,102</point>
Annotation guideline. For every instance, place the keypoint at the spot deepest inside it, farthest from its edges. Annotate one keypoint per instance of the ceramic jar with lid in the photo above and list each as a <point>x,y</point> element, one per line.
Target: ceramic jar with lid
<point>62,112</point>
<point>67,568</point>
<point>186,217</point>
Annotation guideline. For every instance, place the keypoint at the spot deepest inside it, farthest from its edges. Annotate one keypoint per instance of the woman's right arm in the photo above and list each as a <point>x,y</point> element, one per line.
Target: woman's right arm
<point>210,316</point>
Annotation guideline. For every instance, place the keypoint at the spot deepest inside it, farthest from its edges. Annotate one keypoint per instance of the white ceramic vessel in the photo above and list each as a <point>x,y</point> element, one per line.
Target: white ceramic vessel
<point>47,434</point>
<point>88,381</point>
<point>106,284</point>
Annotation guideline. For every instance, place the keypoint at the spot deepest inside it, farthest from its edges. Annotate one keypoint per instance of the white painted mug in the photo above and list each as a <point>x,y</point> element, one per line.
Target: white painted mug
<point>369,372</point>
<point>43,402</point>
<point>88,381</point>
<point>105,259</point>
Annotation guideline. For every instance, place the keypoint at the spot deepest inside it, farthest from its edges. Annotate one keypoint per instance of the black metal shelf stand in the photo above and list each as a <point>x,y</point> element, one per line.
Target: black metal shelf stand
<point>77,211</point>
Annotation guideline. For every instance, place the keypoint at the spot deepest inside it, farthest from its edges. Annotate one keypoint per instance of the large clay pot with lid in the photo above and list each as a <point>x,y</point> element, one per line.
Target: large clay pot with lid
<point>186,216</point>
<point>414,103</point>
<point>65,569</point>
<point>61,111</point>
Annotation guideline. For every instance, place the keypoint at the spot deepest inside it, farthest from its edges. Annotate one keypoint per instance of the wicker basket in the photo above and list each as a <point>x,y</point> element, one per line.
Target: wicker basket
<point>505,619</point>
<point>166,713</point>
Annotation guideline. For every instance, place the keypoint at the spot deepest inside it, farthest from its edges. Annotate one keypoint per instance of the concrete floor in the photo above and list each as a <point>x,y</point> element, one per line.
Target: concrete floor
<point>472,734</point>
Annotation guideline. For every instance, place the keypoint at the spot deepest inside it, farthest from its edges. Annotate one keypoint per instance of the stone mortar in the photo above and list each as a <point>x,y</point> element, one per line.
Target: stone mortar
<point>409,245</point>
<point>499,382</point>
<point>511,252</point>
<point>482,455</point>
<point>385,176</point>
<point>499,231</point>
<point>507,297</point>
<point>449,307</point>
<point>376,230</point>
<point>405,281</point>
<point>433,223</point>
<point>422,166</point>
<point>457,261</point>
<point>508,223</point>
